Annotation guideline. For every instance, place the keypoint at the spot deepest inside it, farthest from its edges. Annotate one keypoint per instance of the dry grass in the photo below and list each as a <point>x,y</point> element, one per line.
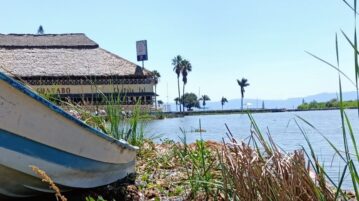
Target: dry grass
<point>273,176</point>
<point>45,178</point>
<point>238,171</point>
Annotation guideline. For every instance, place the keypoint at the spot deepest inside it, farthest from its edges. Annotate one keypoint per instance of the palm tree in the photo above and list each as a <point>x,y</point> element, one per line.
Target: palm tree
<point>186,67</point>
<point>40,30</point>
<point>177,68</point>
<point>160,102</point>
<point>223,101</point>
<point>204,98</point>
<point>242,83</point>
<point>156,76</point>
<point>263,106</point>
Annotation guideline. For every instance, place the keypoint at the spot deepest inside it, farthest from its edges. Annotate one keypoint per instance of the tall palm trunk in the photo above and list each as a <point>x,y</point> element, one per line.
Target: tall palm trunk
<point>242,103</point>
<point>183,95</point>
<point>156,96</point>
<point>242,83</point>
<point>179,92</point>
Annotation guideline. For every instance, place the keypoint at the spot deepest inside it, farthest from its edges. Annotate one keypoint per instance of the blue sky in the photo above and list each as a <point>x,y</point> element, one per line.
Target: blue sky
<point>263,41</point>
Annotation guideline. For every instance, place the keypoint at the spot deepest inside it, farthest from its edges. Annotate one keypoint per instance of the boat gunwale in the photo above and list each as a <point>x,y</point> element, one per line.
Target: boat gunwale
<point>24,89</point>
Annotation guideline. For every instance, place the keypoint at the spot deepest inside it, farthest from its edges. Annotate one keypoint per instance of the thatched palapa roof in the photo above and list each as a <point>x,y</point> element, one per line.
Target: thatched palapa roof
<point>56,55</point>
<point>73,40</point>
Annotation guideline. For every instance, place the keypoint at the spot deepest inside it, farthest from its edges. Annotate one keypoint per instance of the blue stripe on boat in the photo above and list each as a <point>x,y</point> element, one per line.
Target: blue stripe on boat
<point>34,149</point>
<point>58,110</point>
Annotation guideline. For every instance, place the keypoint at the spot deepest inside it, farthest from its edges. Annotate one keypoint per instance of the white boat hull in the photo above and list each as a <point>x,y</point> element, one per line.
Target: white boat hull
<point>36,132</point>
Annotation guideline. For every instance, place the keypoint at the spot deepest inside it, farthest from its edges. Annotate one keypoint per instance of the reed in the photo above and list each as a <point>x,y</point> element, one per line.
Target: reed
<point>114,121</point>
<point>259,170</point>
<point>349,153</point>
<point>120,126</point>
<point>255,169</point>
<point>90,198</point>
<point>201,167</point>
<point>135,133</point>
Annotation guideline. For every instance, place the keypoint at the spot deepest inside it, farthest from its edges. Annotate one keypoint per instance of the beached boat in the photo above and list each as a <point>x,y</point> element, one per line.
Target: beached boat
<point>33,131</point>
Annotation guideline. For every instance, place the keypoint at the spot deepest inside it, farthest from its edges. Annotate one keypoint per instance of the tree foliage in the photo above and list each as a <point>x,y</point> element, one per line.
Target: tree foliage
<point>156,77</point>
<point>176,62</point>
<point>40,30</point>
<point>177,68</point>
<point>242,83</point>
<point>160,102</point>
<point>333,103</point>
<point>190,100</point>
<point>204,98</point>
<point>181,67</point>
<point>186,67</point>
<point>223,101</point>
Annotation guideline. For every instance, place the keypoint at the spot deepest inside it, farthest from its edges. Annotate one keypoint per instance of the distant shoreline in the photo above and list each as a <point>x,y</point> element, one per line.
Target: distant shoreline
<point>238,111</point>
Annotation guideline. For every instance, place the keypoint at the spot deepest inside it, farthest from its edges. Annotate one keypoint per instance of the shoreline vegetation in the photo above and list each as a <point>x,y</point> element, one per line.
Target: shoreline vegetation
<point>152,115</point>
<point>253,169</point>
<point>160,115</point>
<point>164,115</point>
<point>332,104</point>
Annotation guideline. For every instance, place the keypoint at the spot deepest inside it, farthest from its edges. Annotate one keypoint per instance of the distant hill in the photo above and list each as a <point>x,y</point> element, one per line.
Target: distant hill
<point>271,104</point>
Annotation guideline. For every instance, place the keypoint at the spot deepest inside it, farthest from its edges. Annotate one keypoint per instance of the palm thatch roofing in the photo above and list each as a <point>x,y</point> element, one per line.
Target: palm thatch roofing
<point>74,40</point>
<point>58,55</point>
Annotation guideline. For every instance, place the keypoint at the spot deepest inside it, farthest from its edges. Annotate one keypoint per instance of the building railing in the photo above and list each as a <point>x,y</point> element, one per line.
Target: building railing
<point>84,81</point>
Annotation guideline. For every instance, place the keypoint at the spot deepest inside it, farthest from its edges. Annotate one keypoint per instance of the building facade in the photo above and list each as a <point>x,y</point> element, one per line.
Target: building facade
<point>74,68</point>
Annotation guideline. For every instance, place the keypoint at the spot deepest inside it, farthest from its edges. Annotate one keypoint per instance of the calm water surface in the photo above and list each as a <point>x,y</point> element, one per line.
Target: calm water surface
<point>281,126</point>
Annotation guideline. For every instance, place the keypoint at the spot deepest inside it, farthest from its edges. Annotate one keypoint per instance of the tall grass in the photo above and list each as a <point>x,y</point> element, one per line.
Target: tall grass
<point>115,122</point>
<point>259,170</point>
<point>129,127</point>
<point>201,165</point>
<point>349,153</point>
<point>135,134</point>
<point>255,169</point>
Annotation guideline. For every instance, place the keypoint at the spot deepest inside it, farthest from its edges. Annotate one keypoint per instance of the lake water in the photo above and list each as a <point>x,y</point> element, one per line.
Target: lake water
<point>281,126</point>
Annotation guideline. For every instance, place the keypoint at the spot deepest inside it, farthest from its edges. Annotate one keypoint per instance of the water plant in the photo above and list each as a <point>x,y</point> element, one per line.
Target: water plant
<point>257,169</point>
<point>201,166</point>
<point>350,154</point>
<point>135,133</point>
<point>118,124</point>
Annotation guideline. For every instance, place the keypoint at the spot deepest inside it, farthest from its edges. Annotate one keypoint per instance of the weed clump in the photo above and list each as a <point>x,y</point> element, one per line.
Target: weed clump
<point>45,178</point>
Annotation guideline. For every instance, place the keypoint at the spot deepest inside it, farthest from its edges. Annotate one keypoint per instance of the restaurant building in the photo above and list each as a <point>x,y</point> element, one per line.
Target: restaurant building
<point>74,68</point>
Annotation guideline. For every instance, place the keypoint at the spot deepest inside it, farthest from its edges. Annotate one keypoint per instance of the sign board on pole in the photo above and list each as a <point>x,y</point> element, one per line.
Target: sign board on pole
<point>141,47</point>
